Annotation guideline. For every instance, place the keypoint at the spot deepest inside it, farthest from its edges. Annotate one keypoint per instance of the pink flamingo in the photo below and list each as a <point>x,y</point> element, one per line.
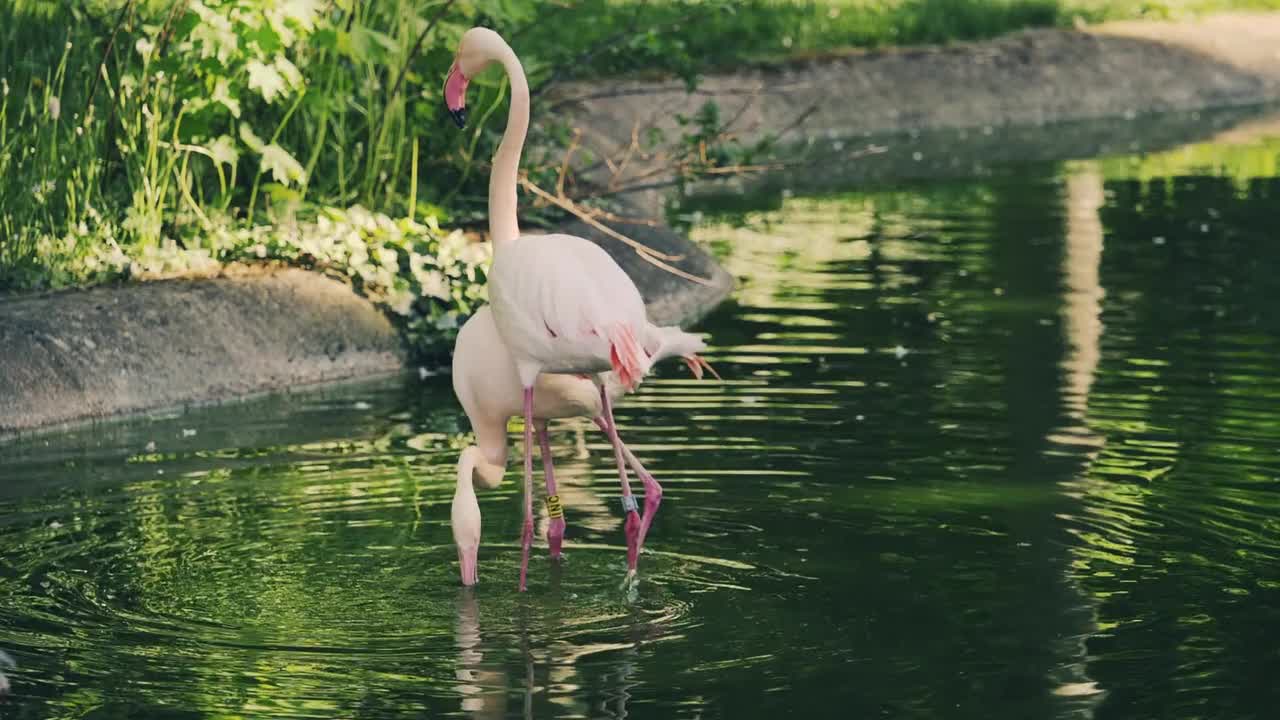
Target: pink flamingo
<point>487,384</point>
<point>561,305</point>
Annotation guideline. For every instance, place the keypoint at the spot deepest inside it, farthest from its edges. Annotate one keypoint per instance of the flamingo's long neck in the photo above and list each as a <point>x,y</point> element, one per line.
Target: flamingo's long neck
<point>466,470</point>
<point>491,454</point>
<point>506,162</point>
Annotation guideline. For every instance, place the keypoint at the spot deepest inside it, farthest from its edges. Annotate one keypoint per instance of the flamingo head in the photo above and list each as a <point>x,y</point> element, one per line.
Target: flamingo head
<point>455,95</point>
<point>475,51</point>
<point>465,516</point>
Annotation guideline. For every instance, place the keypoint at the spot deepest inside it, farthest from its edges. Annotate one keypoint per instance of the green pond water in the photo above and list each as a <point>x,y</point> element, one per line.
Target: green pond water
<point>998,447</point>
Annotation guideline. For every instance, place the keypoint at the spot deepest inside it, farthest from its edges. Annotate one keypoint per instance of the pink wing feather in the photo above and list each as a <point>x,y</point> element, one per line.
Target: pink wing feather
<point>629,360</point>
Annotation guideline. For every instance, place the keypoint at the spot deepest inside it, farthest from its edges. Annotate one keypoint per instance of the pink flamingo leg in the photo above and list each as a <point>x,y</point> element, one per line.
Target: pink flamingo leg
<point>632,525</point>
<point>526,536</point>
<point>652,494</point>
<point>652,490</point>
<point>555,528</point>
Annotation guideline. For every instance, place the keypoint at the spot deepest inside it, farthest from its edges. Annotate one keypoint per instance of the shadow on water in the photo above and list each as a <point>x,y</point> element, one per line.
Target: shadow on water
<point>1003,446</point>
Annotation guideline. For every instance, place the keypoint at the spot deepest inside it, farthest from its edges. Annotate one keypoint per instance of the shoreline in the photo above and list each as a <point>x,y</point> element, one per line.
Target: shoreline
<point>1002,88</point>
<point>74,356</point>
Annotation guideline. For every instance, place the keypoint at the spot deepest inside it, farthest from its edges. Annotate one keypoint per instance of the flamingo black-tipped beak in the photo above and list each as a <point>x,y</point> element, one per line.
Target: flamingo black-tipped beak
<point>455,95</point>
<point>459,117</point>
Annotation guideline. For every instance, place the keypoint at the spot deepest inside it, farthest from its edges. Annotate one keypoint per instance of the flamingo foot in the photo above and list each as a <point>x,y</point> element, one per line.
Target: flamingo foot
<point>629,583</point>
<point>652,499</point>
<point>632,530</point>
<point>526,541</point>
<point>555,510</point>
<point>555,537</point>
<point>652,493</point>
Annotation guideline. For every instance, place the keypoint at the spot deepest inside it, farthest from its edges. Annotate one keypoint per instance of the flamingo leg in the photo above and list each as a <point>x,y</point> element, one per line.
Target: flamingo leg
<point>652,490</point>
<point>526,535</point>
<point>652,493</point>
<point>555,511</point>
<point>632,524</point>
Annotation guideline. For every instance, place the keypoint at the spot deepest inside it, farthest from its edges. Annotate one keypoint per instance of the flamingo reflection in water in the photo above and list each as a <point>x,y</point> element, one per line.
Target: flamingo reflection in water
<point>486,687</point>
<point>6,663</point>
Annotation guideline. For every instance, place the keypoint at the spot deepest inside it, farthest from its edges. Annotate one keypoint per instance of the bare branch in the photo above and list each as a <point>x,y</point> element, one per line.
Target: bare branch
<point>798,121</point>
<point>645,252</point>
<point>106,51</point>
<point>626,159</point>
<point>417,47</point>
<point>564,166</point>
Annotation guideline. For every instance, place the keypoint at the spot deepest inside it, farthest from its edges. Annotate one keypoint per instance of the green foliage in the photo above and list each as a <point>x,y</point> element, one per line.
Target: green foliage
<point>688,37</point>
<point>173,122</point>
<point>426,278</point>
<point>139,129</point>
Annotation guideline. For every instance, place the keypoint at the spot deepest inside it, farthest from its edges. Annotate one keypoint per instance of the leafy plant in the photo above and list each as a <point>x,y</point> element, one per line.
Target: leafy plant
<point>426,278</point>
<point>142,136</point>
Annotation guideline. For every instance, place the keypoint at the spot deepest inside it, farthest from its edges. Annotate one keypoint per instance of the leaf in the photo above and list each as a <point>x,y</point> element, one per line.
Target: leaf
<point>281,194</point>
<point>214,34</point>
<point>325,39</point>
<point>302,12</point>
<point>282,166</point>
<point>265,79</point>
<point>365,45</point>
<point>222,94</point>
<point>223,150</point>
<point>269,37</point>
<point>251,139</point>
<point>289,72</point>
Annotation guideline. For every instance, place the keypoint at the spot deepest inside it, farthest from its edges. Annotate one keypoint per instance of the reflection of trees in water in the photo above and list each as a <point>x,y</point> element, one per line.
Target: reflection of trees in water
<point>991,289</point>
<point>1077,446</point>
<point>1176,538</point>
<point>1044,237</point>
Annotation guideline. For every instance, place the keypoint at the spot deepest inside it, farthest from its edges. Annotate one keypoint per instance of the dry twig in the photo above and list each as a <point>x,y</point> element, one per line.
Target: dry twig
<point>645,252</point>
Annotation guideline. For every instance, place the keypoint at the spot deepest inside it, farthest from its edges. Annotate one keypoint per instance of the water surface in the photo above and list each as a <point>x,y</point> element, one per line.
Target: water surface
<point>994,447</point>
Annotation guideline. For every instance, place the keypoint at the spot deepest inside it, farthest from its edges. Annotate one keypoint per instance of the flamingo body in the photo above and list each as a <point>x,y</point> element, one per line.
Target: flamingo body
<point>488,386</point>
<point>487,383</point>
<point>563,305</point>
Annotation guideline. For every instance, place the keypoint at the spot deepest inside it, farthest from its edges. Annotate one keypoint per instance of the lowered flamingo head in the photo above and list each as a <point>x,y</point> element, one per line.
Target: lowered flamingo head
<point>465,517</point>
<point>475,51</point>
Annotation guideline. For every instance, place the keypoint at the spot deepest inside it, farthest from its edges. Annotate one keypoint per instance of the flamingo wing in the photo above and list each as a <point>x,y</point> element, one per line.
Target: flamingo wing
<point>563,303</point>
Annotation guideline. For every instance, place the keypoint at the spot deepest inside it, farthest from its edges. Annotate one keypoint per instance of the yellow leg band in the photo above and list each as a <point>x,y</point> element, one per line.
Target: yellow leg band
<point>554,508</point>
